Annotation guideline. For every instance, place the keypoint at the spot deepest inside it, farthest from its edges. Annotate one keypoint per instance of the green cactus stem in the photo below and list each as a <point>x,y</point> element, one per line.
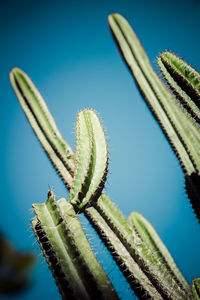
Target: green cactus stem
<point>43,124</point>
<point>155,252</point>
<point>183,80</point>
<point>186,76</point>
<point>139,282</point>
<point>91,160</point>
<point>68,253</point>
<point>181,130</point>
<point>158,272</point>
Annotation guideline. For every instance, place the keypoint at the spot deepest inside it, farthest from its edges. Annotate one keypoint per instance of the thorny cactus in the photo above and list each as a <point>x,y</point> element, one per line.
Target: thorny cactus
<point>138,251</point>
<point>178,117</point>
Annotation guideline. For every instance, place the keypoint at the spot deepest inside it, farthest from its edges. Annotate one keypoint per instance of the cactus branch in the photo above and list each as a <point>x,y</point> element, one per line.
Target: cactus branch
<point>68,253</point>
<point>153,250</point>
<point>178,76</point>
<point>91,160</point>
<point>157,271</point>
<point>43,125</point>
<point>178,129</point>
<point>181,130</point>
<point>138,281</point>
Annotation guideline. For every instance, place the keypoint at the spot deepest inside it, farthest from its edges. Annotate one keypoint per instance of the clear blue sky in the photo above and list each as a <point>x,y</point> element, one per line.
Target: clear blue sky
<point>67,50</point>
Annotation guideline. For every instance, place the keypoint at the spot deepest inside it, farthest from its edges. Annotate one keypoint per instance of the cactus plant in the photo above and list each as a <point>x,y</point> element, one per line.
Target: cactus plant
<point>138,251</point>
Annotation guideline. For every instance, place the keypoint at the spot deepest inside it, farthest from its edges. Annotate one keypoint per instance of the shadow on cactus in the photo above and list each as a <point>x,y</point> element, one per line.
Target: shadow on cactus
<point>135,246</point>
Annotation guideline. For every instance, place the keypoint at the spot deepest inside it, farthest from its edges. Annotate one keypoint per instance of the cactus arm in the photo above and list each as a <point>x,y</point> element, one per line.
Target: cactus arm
<point>172,68</point>
<point>187,77</point>
<point>196,288</point>
<point>154,250</point>
<point>163,105</point>
<point>158,274</point>
<point>83,160</point>
<point>43,125</point>
<point>91,160</point>
<point>138,281</point>
<point>68,253</point>
<point>169,65</point>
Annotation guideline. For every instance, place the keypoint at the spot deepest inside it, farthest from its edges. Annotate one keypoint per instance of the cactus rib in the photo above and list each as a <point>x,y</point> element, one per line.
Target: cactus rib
<point>68,253</point>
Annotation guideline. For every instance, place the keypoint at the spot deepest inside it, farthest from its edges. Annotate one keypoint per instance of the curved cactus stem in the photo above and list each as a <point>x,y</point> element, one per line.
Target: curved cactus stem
<point>91,160</point>
<point>196,288</point>
<point>68,253</point>
<point>170,66</point>
<point>180,130</point>
<point>153,249</point>
<point>43,125</point>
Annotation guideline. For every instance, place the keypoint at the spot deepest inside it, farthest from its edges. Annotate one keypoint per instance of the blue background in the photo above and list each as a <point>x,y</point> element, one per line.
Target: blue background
<point>67,50</point>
